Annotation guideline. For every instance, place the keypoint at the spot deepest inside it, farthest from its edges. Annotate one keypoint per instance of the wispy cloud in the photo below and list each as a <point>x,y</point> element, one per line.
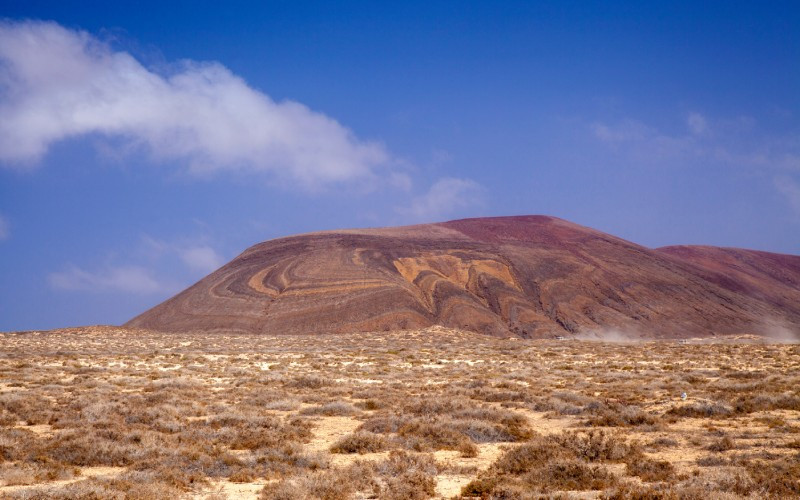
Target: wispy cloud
<point>790,190</point>
<point>201,258</point>
<point>195,253</point>
<point>57,84</point>
<point>5,229</point>
<point>735,142</point>
<point>153,266</point>
<point>129,279</point>
<point>697,123</point>
<point>642,142</point>
<point>446,196</point>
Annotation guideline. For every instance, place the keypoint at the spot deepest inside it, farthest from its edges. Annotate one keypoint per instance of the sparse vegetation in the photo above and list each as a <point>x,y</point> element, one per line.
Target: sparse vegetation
<point>113,413</point>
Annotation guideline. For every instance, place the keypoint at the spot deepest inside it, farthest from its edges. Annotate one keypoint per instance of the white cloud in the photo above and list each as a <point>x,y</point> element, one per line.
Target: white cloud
<point>697,123</point>
<point>131,279</point>
<point>5,230</point>
<point>201,258</point>
<point>446,196</point>
<point>56,84</point>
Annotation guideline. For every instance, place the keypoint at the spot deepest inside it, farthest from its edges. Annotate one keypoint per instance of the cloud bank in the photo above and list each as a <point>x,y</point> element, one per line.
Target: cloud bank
<point>57,84</point>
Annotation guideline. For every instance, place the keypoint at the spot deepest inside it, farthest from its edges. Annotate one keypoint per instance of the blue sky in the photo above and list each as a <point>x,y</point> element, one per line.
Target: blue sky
<point>142,144</point>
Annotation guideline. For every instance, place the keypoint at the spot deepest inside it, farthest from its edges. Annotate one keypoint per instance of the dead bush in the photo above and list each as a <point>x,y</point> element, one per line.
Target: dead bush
<point>725,443</point>
<point>360,442</point>
<point>649,470</point>
<point>597,446</point>
<point>778,479</point>
<point>332,484</point>
<point>701,410</point>
<point>336,408</point>
<point>623,416</point>
<point>308,382</point>
<point>407,476</point>
<point>431,436</point>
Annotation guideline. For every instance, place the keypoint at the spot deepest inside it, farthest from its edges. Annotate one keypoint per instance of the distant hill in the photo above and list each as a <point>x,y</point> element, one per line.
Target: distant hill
<point>530,276</point>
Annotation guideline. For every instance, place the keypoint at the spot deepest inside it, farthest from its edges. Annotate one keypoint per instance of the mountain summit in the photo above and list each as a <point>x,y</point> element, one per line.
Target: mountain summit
<point>528,276</point>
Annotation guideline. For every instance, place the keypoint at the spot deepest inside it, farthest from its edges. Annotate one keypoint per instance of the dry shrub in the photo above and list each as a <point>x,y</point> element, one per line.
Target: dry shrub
<point>83,448</point>
<point>242,476</point>
<point>778,479</point>
<point>528,456</point>
<point>407,476</point>
<point>242,432</point>
<point>33,409</point>
<point>360,442</point>
<point>134,485</point>
<point>764,402</point>
<point>370,404</point>
<point>725,443</point>
<point>629,491</point>
<point>623,416</point>
<point>35,472</point>
<point>567,475</point>
<point>15,444</point>
<point>335,408</point>
<point>308,382</point>
<point>649,470</point>
<point>400,476</point>
<point>14,476</point>
<point>427,424</point>
<point>323,486</point>
<point>281,405</point>
<point>7,419</point>
<point>702,410</point>
<point>489,425</point>
<point>570,403</point>
<point>662,442</point>
<point>431,436</point>
<point>551,463</point>
<point>384,424</point>
<point>493,395</point>
<point>598,446</point>
<point>711,461</point>
<point>287,458</point>
<point>486,487</point>
<point>485,432</point>
<point>572,475</point>
<point>434,407</point>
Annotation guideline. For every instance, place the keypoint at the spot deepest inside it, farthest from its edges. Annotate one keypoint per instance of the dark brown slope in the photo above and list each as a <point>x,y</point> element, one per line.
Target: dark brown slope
<point>532,276</point>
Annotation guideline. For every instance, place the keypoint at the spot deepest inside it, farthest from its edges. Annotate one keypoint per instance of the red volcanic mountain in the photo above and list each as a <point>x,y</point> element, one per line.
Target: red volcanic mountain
<point>531,276</point>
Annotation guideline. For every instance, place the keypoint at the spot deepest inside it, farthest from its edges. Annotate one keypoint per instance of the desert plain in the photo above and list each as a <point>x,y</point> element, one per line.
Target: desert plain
<point>112,412</point>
